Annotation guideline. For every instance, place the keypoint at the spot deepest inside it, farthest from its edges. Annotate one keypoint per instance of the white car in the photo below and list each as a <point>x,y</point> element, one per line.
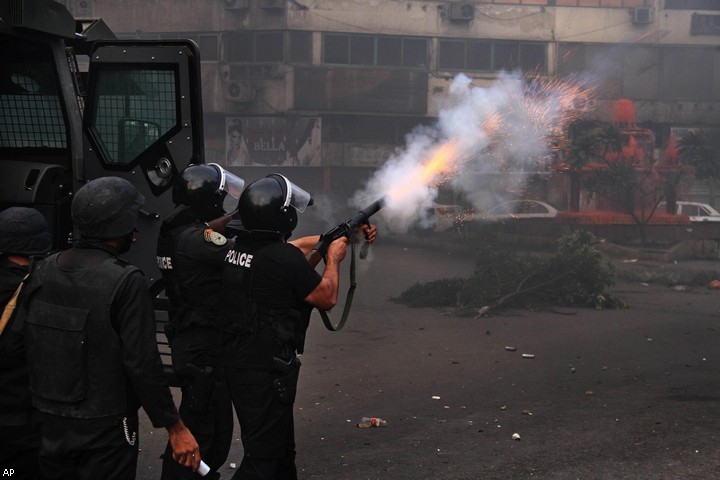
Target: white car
<point>516,209</point>
<point>698,212</point>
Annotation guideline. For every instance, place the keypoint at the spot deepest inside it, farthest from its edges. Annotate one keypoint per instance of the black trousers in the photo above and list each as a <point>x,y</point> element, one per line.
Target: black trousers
<point>265,413</point>
<point>20,450</point>
<point>79,449</point>
<point>205,406</point>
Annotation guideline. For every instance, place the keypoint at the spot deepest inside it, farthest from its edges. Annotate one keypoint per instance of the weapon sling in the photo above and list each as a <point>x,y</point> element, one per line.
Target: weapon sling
<point>10,307</point>
<point>348,297</point>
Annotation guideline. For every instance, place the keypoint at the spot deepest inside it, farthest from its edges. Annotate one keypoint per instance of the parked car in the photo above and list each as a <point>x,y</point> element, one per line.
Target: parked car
<point>516,209</point>
<point>698,212</point>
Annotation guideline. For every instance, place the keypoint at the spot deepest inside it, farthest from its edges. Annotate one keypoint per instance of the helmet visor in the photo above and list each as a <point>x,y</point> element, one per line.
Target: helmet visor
<point>295,196</point>
<point>229,183</point>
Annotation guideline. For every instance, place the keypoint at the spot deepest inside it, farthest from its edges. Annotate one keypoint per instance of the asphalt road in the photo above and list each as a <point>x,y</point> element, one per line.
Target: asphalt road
<point>629,394</point>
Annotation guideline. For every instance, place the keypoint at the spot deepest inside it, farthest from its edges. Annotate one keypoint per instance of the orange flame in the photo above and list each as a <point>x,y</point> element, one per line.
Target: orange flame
<point>438,167</point>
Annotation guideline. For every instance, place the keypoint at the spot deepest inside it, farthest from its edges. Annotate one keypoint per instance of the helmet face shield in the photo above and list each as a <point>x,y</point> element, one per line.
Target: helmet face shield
<point>229,183</point>
<point>295,196</point>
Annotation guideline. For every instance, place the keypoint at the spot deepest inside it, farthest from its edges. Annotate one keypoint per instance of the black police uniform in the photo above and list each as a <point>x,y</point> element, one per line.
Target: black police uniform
<point>190,257</point>
<point>89,328</point>
<point>265,281</point>
<point>19,420</point>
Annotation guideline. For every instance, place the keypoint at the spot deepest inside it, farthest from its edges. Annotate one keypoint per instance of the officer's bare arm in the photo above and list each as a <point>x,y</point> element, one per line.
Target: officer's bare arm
<point>305,244</point>
<point>324,297</point>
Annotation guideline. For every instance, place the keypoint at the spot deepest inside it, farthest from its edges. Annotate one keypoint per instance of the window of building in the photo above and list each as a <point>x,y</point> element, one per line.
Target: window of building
<point>362,50</point>
<point>300,48</point>
<point>506,56</point>
<point>646,72</point>
<point>336,49</point>
<point>268,47</point>
<point>479,56</point>
<point>586,3</point>
<point>414,53</point>
<point>371,50</point>
<point>389,51</point>
<point>692,5</point>
<point>489,55</point>
<point>452,54</point>
<point>238,47</point>
<point>705,24</point>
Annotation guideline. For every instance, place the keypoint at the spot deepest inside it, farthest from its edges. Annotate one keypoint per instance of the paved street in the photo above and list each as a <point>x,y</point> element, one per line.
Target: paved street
<point>631,394</point>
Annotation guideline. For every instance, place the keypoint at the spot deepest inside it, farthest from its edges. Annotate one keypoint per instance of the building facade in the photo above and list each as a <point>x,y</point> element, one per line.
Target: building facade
<point>339,83</point>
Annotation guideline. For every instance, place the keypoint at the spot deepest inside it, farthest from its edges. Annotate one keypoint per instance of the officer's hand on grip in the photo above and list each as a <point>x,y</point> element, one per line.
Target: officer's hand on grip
<point>370,232</point>
<point>336,250</point>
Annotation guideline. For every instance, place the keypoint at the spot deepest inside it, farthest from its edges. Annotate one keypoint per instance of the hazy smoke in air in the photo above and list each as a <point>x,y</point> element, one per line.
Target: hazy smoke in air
<point>503,128</point>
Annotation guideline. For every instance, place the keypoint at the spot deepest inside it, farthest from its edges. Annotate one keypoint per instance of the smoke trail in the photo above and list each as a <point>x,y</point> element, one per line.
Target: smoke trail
<point>479,132</point>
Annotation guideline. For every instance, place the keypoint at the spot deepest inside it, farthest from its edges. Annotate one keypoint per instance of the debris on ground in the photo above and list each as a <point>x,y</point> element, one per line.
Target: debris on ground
<point>369,422</point>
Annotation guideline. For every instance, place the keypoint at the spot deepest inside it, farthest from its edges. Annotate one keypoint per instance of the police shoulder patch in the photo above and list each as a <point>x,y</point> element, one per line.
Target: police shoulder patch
<point>217,238</point>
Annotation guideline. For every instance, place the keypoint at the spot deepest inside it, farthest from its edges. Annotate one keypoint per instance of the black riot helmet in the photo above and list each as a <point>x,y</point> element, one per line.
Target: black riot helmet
<point>272,204</point>
<point>106,208</point>
<point>24,231</point>
<point>204,188</point>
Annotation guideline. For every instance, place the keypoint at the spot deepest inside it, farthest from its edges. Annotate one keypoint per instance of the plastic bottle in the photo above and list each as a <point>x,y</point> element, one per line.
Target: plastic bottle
<point>368,422</point>
<point>204,469</point>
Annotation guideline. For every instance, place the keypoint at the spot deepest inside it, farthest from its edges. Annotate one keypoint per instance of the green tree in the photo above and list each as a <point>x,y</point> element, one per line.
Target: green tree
<point>633,183</point>
<point>581,151</point>
<point>698,150</point>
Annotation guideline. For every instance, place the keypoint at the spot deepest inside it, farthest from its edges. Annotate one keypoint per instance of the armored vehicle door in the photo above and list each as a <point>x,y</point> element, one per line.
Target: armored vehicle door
<point>143,122</point>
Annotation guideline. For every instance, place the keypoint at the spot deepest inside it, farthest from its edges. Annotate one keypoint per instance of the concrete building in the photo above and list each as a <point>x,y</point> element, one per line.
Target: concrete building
<point>338,84</point>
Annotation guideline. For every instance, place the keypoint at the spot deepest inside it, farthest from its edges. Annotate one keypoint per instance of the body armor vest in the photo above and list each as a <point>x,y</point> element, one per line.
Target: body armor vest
<point>77,368</point>
<point>244,314</point>
<point>193,303</point>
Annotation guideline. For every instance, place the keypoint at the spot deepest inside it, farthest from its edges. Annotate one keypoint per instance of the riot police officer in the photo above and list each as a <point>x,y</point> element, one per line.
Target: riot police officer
<point>269,289</point>
<point>191,248</point>
<point>89,328</point>
<point>24,234</point>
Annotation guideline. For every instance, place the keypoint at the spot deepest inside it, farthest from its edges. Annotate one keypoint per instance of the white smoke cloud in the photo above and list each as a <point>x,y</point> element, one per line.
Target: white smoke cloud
<point>502,128</point>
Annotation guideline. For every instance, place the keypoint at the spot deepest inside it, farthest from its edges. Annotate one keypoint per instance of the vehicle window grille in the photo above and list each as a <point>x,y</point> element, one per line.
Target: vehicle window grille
<point>134,108</point>
<point>30,119</point>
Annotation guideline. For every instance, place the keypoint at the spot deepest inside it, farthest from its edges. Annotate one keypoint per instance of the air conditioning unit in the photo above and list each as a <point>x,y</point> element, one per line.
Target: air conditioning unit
<point>461,12</point>
<point>271,4</point>
<point>240,92</point>
<point>236,4</point>
<point>642,15</point>
<point>82,8</point>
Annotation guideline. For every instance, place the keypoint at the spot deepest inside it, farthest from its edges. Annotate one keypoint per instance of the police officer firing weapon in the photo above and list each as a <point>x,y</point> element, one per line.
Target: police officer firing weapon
<point>89,328</point>
<point>24,233</point>
<point>269,289</point>
<point>190,250</point>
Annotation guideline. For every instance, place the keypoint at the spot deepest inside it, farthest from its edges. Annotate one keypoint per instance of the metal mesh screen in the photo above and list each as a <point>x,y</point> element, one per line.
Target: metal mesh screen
<point>134,108</point>
<point>30,116</point>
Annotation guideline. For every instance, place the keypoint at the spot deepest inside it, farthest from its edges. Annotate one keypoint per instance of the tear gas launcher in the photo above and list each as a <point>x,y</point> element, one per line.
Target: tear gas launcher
<point>345,229</point>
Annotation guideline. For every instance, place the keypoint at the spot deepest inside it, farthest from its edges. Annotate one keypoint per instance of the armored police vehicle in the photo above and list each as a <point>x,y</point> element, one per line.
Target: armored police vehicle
<point>76,104</point>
